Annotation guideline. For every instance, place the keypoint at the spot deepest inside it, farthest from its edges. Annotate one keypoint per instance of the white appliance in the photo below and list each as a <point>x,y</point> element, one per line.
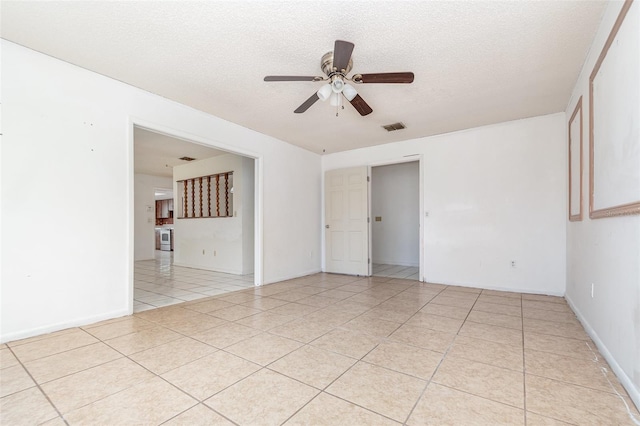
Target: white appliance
<point>165,239</point>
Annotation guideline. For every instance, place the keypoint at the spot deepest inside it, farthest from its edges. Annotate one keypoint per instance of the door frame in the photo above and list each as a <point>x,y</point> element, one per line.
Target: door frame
<point>405,159</point>
<point>258,217</point>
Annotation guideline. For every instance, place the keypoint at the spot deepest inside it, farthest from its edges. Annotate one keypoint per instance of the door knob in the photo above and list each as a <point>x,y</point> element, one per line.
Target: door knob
<point>326,226</point>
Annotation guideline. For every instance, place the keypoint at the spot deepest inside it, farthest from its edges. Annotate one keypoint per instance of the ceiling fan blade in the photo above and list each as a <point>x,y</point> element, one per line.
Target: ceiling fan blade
<point>341,54</point>
<point>361,106</point>
<point>385,77</point>
<point>306,104</point>
<point>292,78</point>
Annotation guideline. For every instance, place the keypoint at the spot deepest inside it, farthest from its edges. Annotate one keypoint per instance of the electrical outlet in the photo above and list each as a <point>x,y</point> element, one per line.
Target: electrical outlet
<point>513,263</point>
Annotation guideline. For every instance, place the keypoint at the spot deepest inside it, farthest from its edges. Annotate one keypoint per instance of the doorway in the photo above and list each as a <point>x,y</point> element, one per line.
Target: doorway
<point>195,264</point>
<point>395,220</point>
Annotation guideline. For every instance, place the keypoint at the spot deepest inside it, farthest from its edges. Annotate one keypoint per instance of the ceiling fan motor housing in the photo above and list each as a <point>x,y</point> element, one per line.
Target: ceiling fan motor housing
<point>326,64</point>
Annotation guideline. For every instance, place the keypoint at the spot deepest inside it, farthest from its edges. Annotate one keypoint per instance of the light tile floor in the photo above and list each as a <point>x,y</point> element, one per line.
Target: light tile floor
<point>395,271</point>
<point>159,283</point>
<point>320,350</point>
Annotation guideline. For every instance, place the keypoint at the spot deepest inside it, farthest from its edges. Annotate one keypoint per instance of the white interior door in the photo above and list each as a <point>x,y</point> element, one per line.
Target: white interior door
<point>346,221</point>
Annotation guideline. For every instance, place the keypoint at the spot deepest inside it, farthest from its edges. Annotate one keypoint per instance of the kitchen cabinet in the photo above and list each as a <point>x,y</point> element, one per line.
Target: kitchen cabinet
<point>162,209</point>
<point>164,212</point>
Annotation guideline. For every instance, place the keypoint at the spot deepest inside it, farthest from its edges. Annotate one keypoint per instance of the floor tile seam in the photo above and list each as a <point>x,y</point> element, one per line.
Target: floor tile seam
<point>360,406</point>
<point>535,297</point>
<point>62,351</point>
<point>41,337</point>
<point>496,313</point>
<point>575,323</point>
<point>178,301</point>
<point>455,332</point>
<point>273,370</point>
<point>335,352</point>
<point>273,335</point>
<point>524,365</point>
<point>451,306</point>
<point>546,415</point>
<point>190,408</point>
<point>612,391</point>
<point>300,409</point>
<point>202,401</point>
<point>480,396</point>
<point>536,305</point>
<point>404,373</point>
<point>134,385</point>
<point>31,386</point>
<point>408,319</point>
<point>564,354</point>
<point>557,335</point>
<point>168,327</point>
<point>567,355</point>
<point>456,356</point>
<point>475,321</point>
<point>428,382</point>
<point>175,368</point>
<point>37,385</point>
<point>121,356</point>
<point>110,321</point>
<point>180,335</point>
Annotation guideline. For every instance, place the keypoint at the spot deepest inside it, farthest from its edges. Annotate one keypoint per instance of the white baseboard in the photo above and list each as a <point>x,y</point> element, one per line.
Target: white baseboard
<point>291,277</point>
<point>10,337</point>
<point>625,380</point>
<point>208,268</point>
<point>501,288</point>
<point>395,262</point>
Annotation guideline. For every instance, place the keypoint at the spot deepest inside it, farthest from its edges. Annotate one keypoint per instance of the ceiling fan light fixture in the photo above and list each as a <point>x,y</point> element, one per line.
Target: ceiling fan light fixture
<point>337,85</point>
<point>349,92</point>
<point>324,92</point>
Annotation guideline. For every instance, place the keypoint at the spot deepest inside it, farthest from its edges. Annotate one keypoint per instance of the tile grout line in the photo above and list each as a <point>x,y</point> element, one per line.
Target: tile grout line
<point>37,385</point>
<point>444,355</point>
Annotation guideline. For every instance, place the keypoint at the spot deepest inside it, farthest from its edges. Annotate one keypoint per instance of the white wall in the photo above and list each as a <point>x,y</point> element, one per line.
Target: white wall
<point>66,127</point>
<point>145,220</point>
<point>221,243</point>
<point>395,198</point>
<point>606,252</point>
<point>493,194</point>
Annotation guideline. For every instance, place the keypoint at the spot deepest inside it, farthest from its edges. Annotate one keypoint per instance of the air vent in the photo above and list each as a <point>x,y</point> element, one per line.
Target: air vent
<point>187,158</point>
<point>394,126</point>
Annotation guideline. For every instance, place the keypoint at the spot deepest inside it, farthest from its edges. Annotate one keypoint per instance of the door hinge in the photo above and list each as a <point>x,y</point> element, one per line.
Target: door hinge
<point>368,261</point>
<point>368,220</point>
<point>368,179</point>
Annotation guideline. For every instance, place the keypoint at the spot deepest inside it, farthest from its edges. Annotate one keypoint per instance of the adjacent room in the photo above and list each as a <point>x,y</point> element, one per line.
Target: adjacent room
<point>343,213</point>
<point>178,259</point>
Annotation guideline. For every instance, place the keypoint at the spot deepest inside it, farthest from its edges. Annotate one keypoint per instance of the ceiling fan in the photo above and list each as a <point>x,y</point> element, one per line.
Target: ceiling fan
<point>336,65</point>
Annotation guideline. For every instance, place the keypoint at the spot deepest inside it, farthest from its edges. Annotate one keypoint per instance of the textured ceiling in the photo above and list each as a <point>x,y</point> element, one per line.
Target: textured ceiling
<point>475,62</point>
<point>155,154</point>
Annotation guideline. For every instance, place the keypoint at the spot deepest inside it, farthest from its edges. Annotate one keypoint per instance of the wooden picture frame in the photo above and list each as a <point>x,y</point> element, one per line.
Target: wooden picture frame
<point>614,128</point>
<point>575,163</point>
